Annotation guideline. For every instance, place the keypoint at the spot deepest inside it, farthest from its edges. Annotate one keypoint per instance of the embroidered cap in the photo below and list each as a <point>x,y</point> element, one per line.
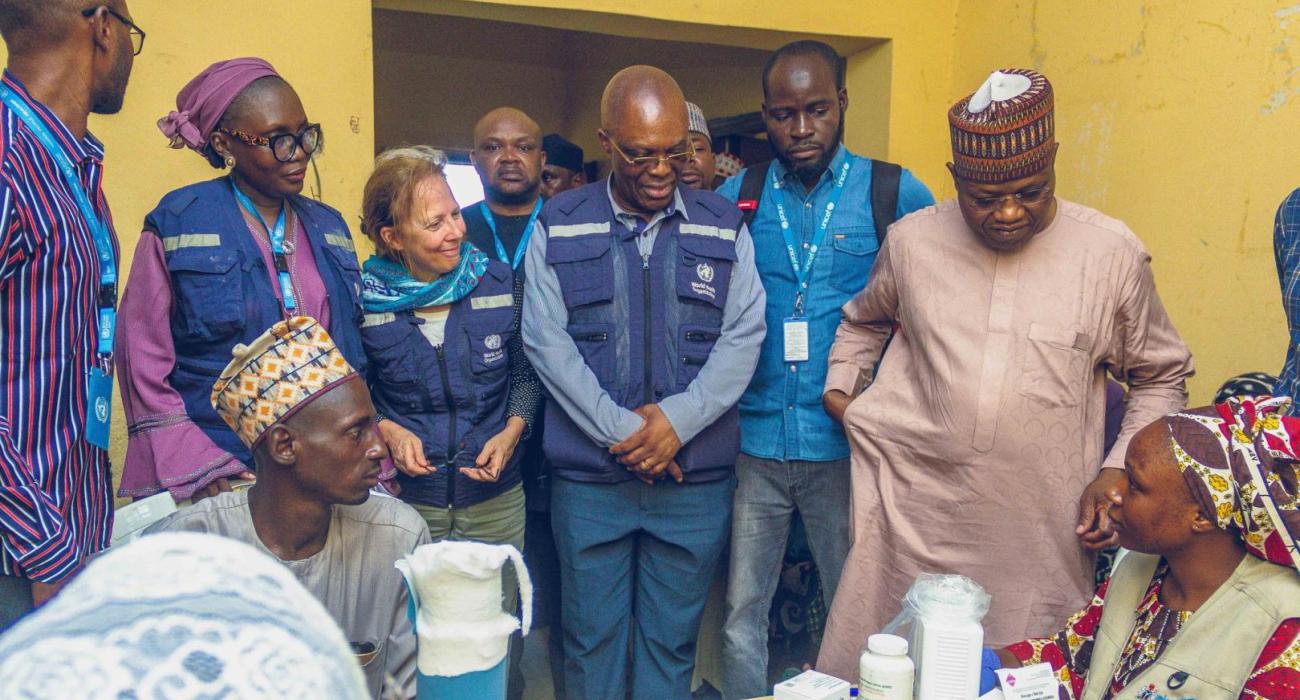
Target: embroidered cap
<point>277,374</point>
<point>696,121</point>
<point>1005,130</point>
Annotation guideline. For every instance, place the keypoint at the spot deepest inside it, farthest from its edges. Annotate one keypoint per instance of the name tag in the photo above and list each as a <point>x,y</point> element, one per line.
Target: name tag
<point>99,407</point>
<point>796,339</point>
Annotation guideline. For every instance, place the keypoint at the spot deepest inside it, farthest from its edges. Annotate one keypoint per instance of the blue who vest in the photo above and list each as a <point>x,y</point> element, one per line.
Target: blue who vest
<point>223,295</point>
<point>454,397</point>
<point>644,328</point>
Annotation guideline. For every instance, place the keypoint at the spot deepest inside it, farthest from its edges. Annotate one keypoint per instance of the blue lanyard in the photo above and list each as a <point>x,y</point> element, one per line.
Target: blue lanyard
<point>802,273</point>
<point>98,227</point>
<point>276,235</point>
<point>523,240</point>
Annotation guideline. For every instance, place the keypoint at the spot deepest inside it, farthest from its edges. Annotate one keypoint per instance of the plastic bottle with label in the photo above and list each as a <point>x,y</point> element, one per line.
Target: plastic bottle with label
<point>885,672</point>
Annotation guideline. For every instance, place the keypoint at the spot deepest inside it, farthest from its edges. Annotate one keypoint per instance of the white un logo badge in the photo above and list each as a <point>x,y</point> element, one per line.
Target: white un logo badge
<point>493,342</point>
<point>101,409</point>
<point>705,272</point>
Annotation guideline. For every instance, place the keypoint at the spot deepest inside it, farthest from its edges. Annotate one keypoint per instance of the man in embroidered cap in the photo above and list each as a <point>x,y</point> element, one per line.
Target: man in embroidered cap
<point>305,413</point>
<point>699,171</point>
<point>976,445</point>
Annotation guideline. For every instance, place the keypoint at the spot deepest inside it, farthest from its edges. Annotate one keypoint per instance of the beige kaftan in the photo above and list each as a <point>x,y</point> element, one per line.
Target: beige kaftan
<point>973,444</point>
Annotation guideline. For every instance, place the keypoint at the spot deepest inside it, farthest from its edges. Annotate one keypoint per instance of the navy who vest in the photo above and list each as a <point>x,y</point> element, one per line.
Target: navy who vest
<point>644,328</point>
<point>454,397</point>
<point>223,295</point>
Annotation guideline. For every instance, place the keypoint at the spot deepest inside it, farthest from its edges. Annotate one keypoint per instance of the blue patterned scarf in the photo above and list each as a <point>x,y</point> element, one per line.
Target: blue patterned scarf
<point>388,286</point>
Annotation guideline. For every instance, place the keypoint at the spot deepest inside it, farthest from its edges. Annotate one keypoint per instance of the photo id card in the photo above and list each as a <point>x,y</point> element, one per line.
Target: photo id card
<point>796,340</point>
<point>99,407</point>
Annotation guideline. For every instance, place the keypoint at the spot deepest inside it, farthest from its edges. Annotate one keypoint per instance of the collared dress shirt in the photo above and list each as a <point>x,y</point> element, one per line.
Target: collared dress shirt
<point>781,415</point>
<point>56,506</point>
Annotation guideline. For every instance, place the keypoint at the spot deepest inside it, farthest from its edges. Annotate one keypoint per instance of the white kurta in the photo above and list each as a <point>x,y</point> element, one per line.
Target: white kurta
<point>984,422</point>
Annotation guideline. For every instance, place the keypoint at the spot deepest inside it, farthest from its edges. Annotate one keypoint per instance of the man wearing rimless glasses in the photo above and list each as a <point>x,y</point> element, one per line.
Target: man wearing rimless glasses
<point>643,316</point>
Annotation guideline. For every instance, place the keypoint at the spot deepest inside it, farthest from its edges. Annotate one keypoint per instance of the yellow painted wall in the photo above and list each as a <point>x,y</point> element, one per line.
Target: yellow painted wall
<point>1179,117</point>
<point>325,53</point>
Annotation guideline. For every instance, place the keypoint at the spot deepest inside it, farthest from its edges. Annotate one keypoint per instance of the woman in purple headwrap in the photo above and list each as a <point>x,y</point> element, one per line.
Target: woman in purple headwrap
<point>1206,604</point>
<point>218,263</point>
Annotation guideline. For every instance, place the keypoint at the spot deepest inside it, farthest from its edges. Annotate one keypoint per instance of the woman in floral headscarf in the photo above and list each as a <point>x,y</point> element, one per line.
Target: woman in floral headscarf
<point>1207,603</point>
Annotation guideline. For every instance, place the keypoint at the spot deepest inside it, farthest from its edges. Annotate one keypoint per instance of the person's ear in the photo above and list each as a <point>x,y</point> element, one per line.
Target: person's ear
<point>844,100</point>
<point>281,445</point>
<point>388,234</point>
<point>580,178</point>
<point>101,29</point>
<point>1202,524</point>
<point>606,143</point>
<point>956,181</point>
<point>221,144</point>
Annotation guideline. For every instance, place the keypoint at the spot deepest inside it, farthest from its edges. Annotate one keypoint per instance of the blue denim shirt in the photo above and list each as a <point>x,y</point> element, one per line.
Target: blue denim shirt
<point>1286,252</point>
<point>781,414</point>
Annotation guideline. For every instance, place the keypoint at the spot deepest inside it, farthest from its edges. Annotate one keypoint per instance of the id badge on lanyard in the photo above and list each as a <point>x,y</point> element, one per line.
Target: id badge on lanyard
<point>795,328</point>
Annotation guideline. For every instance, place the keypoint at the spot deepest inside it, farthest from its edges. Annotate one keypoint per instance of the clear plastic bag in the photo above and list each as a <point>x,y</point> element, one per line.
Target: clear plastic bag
<point>943,597</point>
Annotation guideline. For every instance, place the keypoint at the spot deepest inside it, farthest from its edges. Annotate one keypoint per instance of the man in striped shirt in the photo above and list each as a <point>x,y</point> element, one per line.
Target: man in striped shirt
<point>67,59</point>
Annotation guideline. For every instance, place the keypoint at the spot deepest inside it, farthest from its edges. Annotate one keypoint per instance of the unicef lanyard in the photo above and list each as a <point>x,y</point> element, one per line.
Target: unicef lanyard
<point>98,227</point>
<point>523,240</point>
<point>276,235</point>
<point>804,272</point>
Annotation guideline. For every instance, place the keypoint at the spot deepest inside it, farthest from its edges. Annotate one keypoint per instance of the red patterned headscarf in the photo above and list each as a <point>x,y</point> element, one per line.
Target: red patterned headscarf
<point>1241,460</point>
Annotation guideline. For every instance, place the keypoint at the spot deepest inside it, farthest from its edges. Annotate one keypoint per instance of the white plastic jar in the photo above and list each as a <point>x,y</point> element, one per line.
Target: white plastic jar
<point>885,672</point>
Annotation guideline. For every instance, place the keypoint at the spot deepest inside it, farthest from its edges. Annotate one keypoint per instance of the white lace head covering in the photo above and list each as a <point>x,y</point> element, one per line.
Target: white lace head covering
<point>181,616</point>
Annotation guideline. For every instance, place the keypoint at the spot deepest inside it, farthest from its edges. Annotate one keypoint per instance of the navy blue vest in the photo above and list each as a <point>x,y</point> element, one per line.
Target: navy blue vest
<point>454,398</point>
<point>222,293</point>
<point>536,476</point>
<point>645,330</point>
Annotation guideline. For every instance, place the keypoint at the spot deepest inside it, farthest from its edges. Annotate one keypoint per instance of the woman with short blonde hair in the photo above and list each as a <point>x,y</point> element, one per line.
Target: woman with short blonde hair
<point>448,373</point>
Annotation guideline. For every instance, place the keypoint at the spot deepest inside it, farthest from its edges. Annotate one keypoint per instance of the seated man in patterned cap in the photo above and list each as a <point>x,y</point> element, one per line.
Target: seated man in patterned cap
<point>1210,508</point>
<point>976,444</point>
<point>306,416</point>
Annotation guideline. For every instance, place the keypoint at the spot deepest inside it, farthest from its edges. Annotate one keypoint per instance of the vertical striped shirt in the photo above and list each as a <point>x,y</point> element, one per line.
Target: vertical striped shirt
<point>1286,252</point>
<point>56,505</point>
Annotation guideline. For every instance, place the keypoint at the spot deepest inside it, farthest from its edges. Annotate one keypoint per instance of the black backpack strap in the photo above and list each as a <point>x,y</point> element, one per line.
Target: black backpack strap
<point>751,189</point>
<point>884,195</point>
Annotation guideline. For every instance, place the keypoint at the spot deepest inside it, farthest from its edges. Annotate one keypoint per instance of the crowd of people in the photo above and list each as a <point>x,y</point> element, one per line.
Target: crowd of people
<point>632,380</point>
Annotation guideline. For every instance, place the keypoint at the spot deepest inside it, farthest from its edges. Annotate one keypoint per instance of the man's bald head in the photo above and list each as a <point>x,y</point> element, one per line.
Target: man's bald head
<point>502,118</point>
<point>643,130</point>
<point>638,96</point>
<point>508,156</point>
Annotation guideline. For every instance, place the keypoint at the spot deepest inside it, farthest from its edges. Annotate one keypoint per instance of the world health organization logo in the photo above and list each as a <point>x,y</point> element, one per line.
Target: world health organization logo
<point>705,272</point>
<point>493,342</point>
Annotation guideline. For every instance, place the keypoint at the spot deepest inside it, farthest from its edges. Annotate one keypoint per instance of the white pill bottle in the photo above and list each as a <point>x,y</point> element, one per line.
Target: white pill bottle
<point>885,672</point>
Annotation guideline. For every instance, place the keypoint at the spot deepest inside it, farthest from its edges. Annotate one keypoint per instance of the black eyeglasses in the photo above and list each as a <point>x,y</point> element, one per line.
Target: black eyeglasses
<point>284,146</point>
<point>137,34</point>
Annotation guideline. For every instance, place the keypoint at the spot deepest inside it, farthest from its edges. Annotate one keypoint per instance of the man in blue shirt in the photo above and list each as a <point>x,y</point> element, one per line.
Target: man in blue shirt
<point>814,212</point>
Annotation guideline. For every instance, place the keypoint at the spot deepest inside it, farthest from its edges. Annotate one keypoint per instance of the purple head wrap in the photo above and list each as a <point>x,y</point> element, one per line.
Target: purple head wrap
<point>202,102</point>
